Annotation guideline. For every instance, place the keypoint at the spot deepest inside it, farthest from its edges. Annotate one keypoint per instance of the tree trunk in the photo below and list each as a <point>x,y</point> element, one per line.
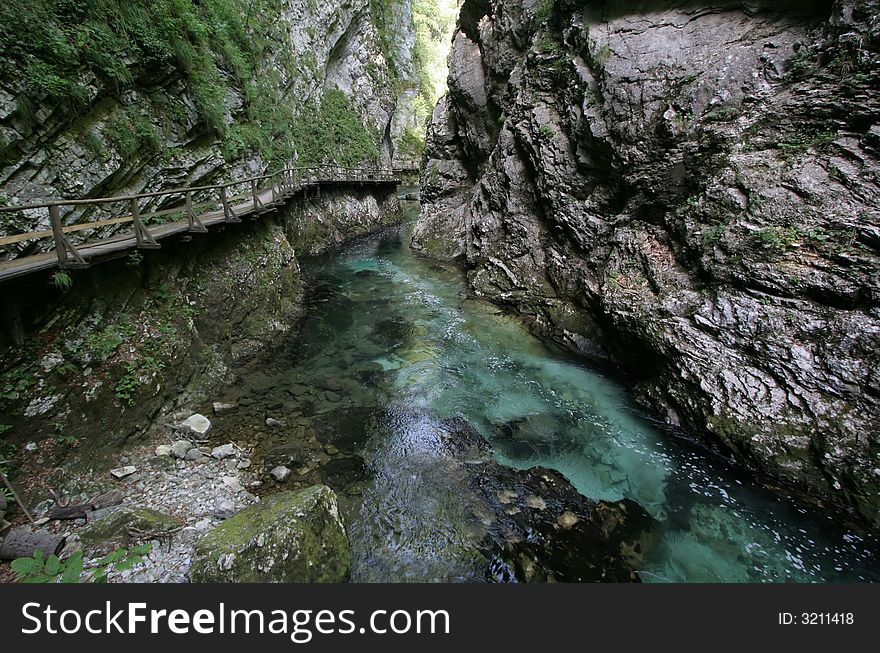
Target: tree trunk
<point>22,543</point>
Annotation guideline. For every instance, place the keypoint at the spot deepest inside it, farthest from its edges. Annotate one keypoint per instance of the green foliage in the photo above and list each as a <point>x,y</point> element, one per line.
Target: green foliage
<point>62,280</point>
<point>724,113</point>
<point>433,22</point>
<point>334,132</point>
<point>800,63</point>
<point>543,11</point>
<point>546,131</point>
<point>133,133</point>
<point>105,342</point>
<point>412,144</point>
<point>803,141</point>
<point>40,569</point>
<point>714,234</point>
<point>124,390</point>
<point>384,18</point>
<point>601,56</point>
<point>775,240</point>
<point>120,560</point>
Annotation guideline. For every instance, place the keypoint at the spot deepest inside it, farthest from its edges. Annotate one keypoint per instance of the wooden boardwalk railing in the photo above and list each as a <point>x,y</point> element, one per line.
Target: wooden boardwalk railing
<point>217,203</point>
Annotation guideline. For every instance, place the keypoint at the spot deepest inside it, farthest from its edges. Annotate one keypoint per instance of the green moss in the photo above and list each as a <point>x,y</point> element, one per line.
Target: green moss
<point>113,530</point>
<point>287,537</point>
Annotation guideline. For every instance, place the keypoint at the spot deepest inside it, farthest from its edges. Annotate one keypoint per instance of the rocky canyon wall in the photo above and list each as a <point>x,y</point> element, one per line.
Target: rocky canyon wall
<point>687,190</point>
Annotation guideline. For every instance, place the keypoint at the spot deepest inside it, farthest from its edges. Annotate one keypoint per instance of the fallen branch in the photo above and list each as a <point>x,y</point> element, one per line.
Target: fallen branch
<point>17,498</point>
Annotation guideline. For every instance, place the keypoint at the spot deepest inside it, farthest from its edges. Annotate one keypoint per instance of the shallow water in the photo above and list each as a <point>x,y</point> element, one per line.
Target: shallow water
<point>391,346</point>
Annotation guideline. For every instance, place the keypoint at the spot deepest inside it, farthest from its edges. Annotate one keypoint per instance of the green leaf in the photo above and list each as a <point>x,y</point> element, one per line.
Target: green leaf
<point>24,566</point>
<point>142,550</point>
<point>53,565</point>
<point>73,570</point>
<point>40,578</point>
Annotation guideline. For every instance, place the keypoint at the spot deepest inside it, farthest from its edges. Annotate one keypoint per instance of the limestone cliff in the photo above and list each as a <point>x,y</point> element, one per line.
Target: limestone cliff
<point>688,190</point>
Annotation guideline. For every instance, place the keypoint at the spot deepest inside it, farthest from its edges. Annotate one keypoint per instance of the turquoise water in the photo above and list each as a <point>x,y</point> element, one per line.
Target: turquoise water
<point>392,345</point>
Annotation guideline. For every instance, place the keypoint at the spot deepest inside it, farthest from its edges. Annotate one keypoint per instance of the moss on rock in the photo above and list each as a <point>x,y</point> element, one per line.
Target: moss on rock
<point>289,537</point>
<point>113,531</point>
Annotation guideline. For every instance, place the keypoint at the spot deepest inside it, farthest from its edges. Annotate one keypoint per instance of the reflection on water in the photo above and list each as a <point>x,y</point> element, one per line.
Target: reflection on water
<point>389,329</point>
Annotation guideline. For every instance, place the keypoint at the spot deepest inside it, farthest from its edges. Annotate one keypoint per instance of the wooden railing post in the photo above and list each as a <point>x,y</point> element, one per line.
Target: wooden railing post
<point>195,224</point>
<point>257,203</point>
<point>228,212</point>
<point>63,246</point>
<point>142,235</point>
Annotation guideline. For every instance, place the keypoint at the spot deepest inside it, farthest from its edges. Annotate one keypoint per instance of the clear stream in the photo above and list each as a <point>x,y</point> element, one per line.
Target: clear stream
<point>391,345</point>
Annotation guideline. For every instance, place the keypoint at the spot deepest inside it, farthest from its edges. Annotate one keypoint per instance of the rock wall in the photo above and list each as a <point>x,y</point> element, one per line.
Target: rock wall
<point>687,190</point>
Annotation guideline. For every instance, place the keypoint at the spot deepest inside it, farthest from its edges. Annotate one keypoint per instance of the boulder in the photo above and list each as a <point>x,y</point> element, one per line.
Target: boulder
<point>196,424</point>
<point>163,450</point>
<point>289,537</point>
<point>113,530</point>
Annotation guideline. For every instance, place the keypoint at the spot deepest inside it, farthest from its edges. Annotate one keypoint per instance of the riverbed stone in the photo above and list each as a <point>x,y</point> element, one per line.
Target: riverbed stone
<point>123,472</point>
<point>280,473</point>
<point>289,537</point>
<point>225,509</point>
<point>196,424</point>
<point>223,451</point>
<point>180,448</point>
<point>221,408</point>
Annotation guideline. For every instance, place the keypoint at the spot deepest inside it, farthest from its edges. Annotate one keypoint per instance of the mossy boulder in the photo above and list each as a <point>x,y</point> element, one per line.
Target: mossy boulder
<point>289,537</point>
<point>114,530</point>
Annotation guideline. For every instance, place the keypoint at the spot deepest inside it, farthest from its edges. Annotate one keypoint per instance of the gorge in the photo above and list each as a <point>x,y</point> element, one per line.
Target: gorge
<point>626,328</point>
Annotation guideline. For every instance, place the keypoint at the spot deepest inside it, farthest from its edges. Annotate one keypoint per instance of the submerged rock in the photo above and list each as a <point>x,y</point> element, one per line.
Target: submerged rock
<point>457,514</point>
<point>540,528</point>
<point>289,537</point>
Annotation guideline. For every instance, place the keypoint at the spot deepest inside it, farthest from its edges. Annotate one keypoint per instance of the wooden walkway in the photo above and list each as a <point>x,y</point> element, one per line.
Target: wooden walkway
<point>199,207</point>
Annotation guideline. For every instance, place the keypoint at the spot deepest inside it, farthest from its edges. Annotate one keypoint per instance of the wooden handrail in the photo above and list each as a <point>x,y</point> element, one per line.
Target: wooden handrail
<point>285,182</point>
<point>173,191</point>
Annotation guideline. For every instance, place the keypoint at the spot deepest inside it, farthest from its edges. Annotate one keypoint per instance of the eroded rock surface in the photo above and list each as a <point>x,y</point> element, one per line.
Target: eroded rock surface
<point>690,192</point>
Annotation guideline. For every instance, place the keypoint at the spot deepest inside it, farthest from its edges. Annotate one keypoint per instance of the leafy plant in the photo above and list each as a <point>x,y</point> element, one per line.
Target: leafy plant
<point>62,280</point>
<point>38,569</point>
<point>120,560</point>
<point>124,390</point>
